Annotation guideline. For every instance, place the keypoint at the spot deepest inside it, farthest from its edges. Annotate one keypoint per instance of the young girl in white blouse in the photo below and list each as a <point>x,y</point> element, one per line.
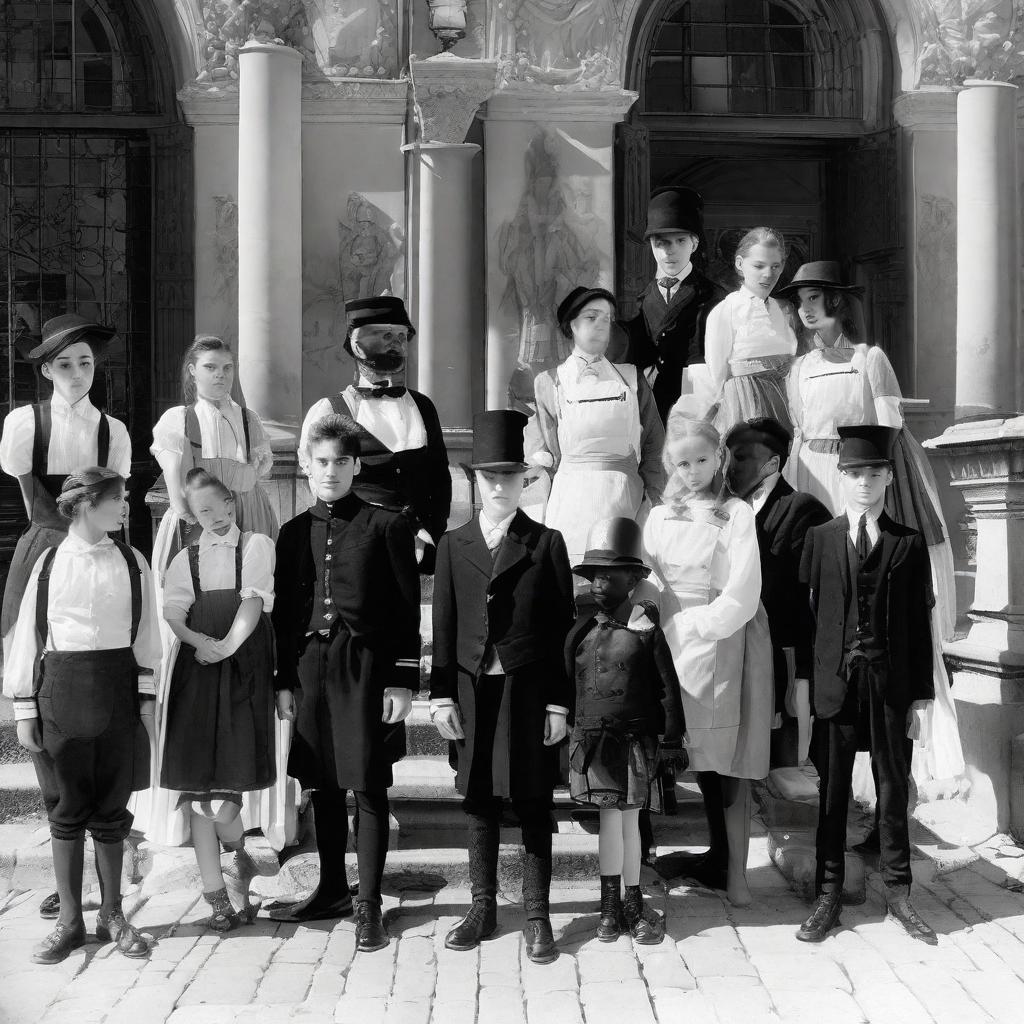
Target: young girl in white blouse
<point>217,728</point>
<point>43,443</point>
<point>703,548</point>
<point>749,341</point>
<point>81,669</point>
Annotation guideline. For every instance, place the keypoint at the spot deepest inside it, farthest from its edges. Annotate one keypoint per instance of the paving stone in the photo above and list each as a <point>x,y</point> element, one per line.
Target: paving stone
<point>371,974</point>
<point>501,1004</point>
<point>822,1004</point>
<point>81,1011</point>
<point>407,1011</point>
<point>236,986</point>
<point>325,989</point>
<point>612,1002</point>
<point>802,972</point>
<point>151,1003</point>
<point>942,997</point>
<point>258,1013</point>
<point>360,1010</point>
<point>738,1000</point>
<point>204,1015</point>
<point>999,992</point>
<point>664,970</point>
<point>560,976</point>
<point>865,967</point>
<point>414,984</point>
<point>596,965</point>
<point>306,946</point>
<point>554,1008</point>
<point>707,958</point>
<point>285,983</point>
<point>891,1003</point>
<point>453,1012</point>
<point>674,1004</point>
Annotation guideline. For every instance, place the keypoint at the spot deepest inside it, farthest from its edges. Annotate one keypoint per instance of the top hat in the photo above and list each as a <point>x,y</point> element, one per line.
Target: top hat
<point>675,208</point>
<point>570,306</point>
<point>819,274</point>
<point>615,543</point>
<point>378,309</point>
<point>866,444</point>
<point>762,430</point>
<point>67,329</point>
<point>498,440</point>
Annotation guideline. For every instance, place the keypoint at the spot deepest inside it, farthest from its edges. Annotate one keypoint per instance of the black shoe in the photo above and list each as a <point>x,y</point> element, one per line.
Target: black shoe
<point>371,934</point>
<point>610,926</point>
<point>57,946</point>
<point>902,911</point>
<point>823,919</point>
<point>115,928</point>
<point>49,909</point>
<point>480,923</point>
<point>540,942</point>
<point>646,927</point>
<point>701,867</point>
<point>315,907</point>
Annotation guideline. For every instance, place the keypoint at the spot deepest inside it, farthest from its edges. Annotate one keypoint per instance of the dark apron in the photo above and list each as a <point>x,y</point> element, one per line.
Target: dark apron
<point>220,718</point>
<point>47,527</point>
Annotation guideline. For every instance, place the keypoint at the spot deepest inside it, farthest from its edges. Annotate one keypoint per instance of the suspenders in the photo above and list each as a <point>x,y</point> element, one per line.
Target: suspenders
<point>195,434</point>
<point>42,417</point>
<point>193,564</point>
<point>43,591</point>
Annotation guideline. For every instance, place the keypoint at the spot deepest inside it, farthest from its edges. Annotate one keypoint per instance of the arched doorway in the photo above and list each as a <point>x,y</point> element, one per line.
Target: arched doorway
<point>779,113</point>
<point>95,208</point>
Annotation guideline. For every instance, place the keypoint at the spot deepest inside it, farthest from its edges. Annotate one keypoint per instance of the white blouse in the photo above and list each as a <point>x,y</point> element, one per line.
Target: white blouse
<point>217,570</point>
<point>89,610</point>
<point>745,326</point>
<point>74,438</point>
<point>223,434</point>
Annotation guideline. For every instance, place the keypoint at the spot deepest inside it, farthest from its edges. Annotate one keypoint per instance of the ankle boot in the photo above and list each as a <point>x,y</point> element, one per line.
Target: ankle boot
<point>371,934</point>
<point>238,873</point>
<point>224,918</point>
<point>610,925</point>
<point>480,923</point>
<point>646,927</point>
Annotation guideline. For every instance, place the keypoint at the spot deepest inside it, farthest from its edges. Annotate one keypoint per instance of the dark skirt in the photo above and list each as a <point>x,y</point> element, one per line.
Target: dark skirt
<point>220,720</point>
<point>31,544</point>
<point>608,768</point>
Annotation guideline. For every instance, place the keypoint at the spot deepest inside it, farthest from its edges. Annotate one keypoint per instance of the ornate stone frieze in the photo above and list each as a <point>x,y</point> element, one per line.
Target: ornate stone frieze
<point>447,92</point>
<point>970,39</point>
<point>355,38</point>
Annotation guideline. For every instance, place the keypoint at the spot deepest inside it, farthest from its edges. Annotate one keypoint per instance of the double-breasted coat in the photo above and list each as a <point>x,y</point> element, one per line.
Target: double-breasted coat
<point>363,559</point>
<point>670,336</point>
<point>521,602</point>
<point>899,612</point>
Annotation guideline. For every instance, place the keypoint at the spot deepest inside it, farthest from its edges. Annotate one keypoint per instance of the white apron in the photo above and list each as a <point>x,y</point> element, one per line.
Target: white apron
<point>599,439</point>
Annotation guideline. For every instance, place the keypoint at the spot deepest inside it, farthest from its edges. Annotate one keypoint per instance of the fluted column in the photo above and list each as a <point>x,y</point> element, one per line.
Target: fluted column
<point>270,231</point>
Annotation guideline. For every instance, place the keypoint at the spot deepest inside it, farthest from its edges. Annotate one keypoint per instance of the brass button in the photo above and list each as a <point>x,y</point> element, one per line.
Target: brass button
<point>327,600</point>
<point>327,558</point>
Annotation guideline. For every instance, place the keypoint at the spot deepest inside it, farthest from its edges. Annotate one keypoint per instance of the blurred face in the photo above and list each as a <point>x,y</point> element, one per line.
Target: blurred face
<point>214,512</point>
<point>749,464</point>
<point>611,586</point>
<point>811,307</point>
<point>864,486</point>
<point>499,492</point>
<point>760,269</point>
<point>592,327</point>
<point>696,462</point>
<point>383,347</point>
<point>331,470</point>
<point>108,514</point>
<point>71,371</point>
<point>214,373</point>
<point>673,251</point>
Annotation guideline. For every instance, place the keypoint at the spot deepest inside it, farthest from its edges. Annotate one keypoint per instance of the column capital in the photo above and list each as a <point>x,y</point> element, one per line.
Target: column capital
<point>548,104</point>
<point>926,110</point>
<point>447,92</point>
<point>269,46</point>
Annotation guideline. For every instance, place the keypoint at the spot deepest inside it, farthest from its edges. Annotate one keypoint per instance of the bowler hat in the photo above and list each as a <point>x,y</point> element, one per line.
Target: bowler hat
<point>819,274</point>
<point>570,306</point>
<point>762,430</point>
<point>379,309</point>
<point>67,329</point>
<point>498,440</point>
<point>675,208</point>
<point>866,444</point>
<point>615,543</point>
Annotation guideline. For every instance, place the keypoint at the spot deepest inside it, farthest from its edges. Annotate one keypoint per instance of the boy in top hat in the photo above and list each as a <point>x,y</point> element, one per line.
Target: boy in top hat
<point>870,585</point>
<point>666,337</point>
<point>43,443</point>
<point>346,616</point>
<point>503,605</point>
<point>404,460</point>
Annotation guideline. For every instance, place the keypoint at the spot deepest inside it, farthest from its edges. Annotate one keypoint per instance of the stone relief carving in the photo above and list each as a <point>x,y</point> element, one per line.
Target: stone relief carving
<point>448,91</point>
<point>936,245</point>
<point>970,39</point>
<point>357,38</point>
<point>225,254</point>
<point>229,24</point>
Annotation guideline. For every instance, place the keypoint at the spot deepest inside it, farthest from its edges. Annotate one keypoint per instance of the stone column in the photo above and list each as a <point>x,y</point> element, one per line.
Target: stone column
<point>988,263</point>
<point>270,232</point>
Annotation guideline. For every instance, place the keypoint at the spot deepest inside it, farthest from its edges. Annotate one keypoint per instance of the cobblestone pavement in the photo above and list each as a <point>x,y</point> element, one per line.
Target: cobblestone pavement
<point>718,964</point>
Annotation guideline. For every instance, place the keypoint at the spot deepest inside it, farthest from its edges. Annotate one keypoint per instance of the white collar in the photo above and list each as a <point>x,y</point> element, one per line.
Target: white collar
<point>223,407</point>
<point>759,495</point>
<point>487,527</point>
<point>853,518</point>
<point>75,545</point>
<point>83,407</point>
<point>751,296</point>
<point>678,278</point>
<point>841,342</point>
<point>209,540</point>
<point>588,358</point>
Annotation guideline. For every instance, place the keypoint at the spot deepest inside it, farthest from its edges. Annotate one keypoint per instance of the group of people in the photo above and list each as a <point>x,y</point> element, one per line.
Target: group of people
<point>740,534</point>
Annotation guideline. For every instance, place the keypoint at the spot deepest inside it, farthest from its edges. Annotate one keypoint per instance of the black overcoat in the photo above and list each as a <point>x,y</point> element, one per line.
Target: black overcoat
<point>376,595</point>
<point>671,337</point>
<point>522,602</point>
<point>782,524</point>
<point>900,611</point>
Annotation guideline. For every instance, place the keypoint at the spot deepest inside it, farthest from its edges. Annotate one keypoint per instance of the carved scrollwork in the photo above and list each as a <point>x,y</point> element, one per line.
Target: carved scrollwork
<point>971,39</point>
<point>447,92</point>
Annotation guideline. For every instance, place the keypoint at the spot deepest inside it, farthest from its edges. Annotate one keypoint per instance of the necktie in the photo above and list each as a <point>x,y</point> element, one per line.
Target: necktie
<point>382,391</point>
<point>863,544</point>
<point>668,283</point>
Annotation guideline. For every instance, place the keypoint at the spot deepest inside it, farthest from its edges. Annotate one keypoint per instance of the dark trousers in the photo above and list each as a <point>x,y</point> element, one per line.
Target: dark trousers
<point>865,722</point>
<point>484,811</point>
<point>331,815</point>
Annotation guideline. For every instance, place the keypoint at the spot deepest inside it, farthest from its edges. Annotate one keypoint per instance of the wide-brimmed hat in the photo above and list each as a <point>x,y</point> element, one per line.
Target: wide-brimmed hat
<point>498,440</point>
<point>819,274</point>
<point>570,306</point>
<point>675,208</point>
<point>866,444</point>
<point>615,543</point>
<point>379,309</point>
<point>68,329</point>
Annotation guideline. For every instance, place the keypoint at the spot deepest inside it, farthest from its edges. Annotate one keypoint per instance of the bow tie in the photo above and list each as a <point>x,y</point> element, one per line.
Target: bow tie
<point>382,391</point>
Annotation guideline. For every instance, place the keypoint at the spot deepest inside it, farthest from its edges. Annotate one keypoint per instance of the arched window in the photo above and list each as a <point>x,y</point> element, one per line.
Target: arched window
<point>747,57</point>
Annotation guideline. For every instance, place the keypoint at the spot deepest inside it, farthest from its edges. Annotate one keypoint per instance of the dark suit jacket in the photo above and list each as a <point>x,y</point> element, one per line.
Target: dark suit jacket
<point>522,602</point>
<point>671,337</point>
<point>900,611</point>
<point>782,524</point>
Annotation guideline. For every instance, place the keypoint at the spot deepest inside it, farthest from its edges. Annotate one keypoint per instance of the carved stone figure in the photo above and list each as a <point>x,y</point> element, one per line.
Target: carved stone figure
<point>354,37</point>
<point>370,247</point>
<point>971,39</point>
